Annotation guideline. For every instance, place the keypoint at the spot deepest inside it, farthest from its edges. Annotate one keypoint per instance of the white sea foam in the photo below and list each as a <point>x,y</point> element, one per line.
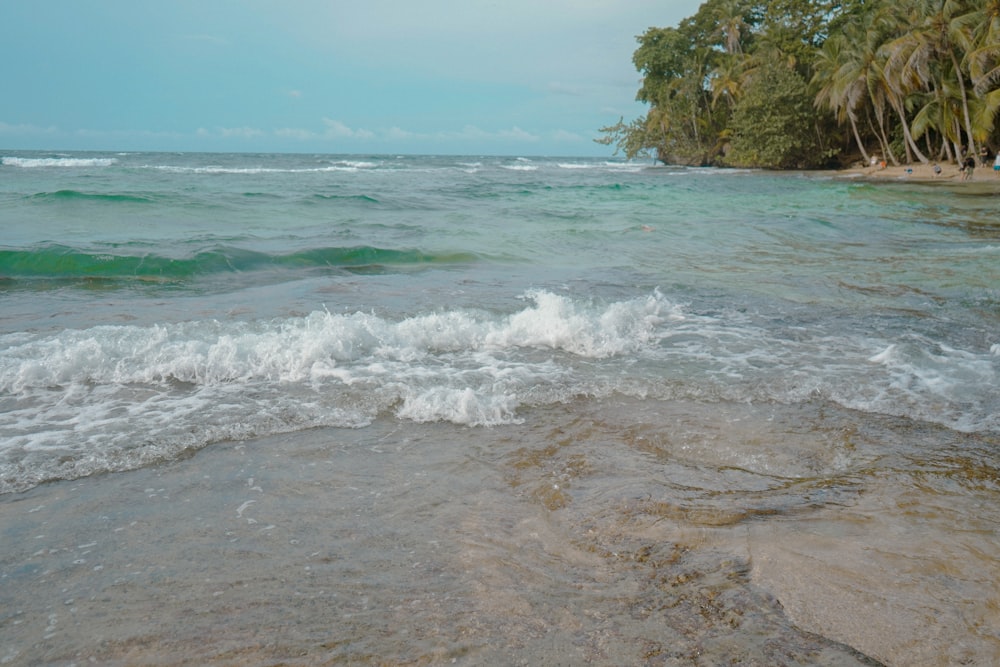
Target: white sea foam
<point>609,166</point>
<point>210,169</point>
<point>30,163</point>
<point>294,350</point>
<point>459,406</point>
<point>935,382</point>
<point>114,397</point>
<point>523,164</point>
<point>355,164</point>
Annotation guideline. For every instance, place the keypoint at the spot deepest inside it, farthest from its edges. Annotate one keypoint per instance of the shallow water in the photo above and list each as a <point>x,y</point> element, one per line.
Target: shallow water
<point>410,410</point>
<point>620,532</point>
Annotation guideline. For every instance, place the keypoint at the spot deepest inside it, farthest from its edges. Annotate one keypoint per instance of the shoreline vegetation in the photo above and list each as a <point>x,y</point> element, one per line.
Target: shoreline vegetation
<point>820,84</point>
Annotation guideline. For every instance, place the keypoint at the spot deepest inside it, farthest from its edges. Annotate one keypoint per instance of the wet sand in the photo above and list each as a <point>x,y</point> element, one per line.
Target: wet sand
<point>620,533</point>
<point>950,173</point>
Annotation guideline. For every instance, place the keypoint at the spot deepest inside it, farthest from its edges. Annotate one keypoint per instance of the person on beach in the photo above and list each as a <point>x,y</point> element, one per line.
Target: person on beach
<point>996,164</point>
<point>984,156</point>
<point>968,167</point>
<point>937,170</point>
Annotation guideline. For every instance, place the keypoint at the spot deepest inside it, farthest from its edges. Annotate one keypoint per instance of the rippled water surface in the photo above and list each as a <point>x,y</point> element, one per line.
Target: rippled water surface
<point>276,409</point>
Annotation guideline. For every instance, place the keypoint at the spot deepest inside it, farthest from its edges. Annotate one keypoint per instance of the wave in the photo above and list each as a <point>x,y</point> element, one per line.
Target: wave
<point>312,347</point>
<point>77,195</point>
<point>354,164</point>
<point>118,397</point>
<point>282,164</point>
<point>115,397</point>
<point>610,166</point>
<point>341,166</point>
<point>30,163</point>
<point>364,199</point>
<point>56,262</point>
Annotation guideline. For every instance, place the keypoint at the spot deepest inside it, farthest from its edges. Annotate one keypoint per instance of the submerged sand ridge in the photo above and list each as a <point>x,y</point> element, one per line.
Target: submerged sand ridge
<point>628,532</point>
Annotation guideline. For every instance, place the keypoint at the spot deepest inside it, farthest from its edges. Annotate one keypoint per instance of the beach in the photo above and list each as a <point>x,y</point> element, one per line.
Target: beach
<point>421,410</point>
<point>950,172</point>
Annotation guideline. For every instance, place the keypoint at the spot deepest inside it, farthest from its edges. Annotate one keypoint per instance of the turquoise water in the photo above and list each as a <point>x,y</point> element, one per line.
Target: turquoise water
<point>754,343</point>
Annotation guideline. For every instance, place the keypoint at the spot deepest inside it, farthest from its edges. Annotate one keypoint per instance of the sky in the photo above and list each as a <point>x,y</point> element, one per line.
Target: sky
<point>462,77</point>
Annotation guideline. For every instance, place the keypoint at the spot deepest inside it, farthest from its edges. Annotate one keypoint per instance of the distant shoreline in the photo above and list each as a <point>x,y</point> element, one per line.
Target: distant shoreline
<point>950,173</point>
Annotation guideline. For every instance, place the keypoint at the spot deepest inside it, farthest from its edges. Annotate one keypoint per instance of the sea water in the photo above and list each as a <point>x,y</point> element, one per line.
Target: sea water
<point>508,409</point>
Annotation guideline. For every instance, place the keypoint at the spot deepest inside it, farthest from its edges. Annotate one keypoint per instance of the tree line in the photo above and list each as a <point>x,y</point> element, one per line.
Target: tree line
<point>818,83</point>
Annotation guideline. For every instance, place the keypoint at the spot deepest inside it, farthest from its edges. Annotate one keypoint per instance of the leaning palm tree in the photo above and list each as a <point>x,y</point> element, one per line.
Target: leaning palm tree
<point>852,74</point>
<point>984,109</point>
<point>840,90</point>
<point>930,51</point>
<point>983,57</point>
<point>940,113</point>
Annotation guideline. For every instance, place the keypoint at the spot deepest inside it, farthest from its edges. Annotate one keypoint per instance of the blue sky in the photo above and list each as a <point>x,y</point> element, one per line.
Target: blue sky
<point>510,77</point>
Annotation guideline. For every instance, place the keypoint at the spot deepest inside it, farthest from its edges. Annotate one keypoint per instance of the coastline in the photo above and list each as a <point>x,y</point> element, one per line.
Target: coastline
<point>919,173</point>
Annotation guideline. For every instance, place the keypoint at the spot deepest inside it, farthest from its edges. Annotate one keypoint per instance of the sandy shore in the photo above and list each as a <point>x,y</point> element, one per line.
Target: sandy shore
<point>950,173</point>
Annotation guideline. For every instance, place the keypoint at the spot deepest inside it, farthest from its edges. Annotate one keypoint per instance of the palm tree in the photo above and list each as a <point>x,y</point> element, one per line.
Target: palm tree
<point>730,24</point>
<point>840,90</point>
<point>927,54</point>
<point>851,73</point>
<point>940,113</point>
<point>726,80</point>
<point>983,60</point>
<point>983,24</point>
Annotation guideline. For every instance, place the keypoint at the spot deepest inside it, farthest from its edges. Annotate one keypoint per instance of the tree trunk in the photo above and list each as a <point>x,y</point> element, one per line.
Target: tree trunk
<point>884,140</point>
<point>973,149</point>
<point>907,137</point>
<point>857,138</point>
<point>958,143</point>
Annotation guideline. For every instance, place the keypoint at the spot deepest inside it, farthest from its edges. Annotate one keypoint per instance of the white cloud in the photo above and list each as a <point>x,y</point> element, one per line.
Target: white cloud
<point>468,132</point>
<point>241,132</point>
<point>335,129</point>
<point>294,133</point>
<point>23,128</point>
<point>398,133</point>
<point>565,136</point>
<point>515,41</point>
<point>517,134</point>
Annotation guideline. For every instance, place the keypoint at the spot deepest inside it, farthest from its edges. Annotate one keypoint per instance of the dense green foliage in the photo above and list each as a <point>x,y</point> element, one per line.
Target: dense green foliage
<point>772,122</point>
<point>810,83</point>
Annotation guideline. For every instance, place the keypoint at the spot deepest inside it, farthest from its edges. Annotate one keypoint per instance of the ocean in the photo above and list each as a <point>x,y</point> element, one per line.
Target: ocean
<point>408,410</point>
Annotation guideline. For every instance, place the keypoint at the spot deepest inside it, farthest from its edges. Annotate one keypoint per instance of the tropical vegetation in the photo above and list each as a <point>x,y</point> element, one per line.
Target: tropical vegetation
<point>818,83</point>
